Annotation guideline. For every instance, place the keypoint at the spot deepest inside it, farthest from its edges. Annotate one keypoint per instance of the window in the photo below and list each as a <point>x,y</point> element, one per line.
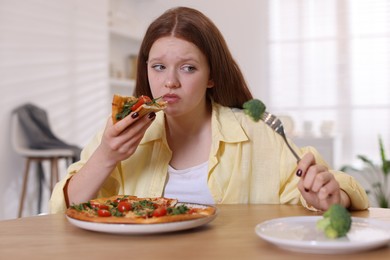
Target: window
<point>330,61</point>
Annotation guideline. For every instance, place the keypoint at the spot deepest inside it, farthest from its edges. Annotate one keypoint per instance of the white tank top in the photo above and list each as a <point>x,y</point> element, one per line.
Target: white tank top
<point>189,185</point>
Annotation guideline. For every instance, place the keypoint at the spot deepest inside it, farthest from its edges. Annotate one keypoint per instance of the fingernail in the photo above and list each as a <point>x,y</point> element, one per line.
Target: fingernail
<point>299,173</point>
<point>134,115</point>
<point>151,115</point>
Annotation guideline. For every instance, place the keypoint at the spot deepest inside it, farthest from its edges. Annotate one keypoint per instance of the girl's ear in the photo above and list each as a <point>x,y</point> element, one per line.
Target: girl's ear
<point>210,84</point>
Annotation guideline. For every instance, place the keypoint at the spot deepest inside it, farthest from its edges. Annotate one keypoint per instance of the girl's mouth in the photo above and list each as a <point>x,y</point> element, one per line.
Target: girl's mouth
<point>171,98</point>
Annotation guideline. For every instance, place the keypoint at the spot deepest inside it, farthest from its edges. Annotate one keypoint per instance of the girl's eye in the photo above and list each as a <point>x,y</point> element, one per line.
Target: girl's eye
<point>189,68</point>
<point>158,67</point>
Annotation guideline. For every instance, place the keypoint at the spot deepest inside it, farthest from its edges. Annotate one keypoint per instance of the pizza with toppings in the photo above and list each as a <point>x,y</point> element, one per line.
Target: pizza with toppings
<point>123,209</point>
<point>122,106</point>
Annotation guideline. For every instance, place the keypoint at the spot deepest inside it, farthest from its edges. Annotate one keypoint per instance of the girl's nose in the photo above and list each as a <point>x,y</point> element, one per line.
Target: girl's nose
<point>172,81</point>
<point>172,84</point>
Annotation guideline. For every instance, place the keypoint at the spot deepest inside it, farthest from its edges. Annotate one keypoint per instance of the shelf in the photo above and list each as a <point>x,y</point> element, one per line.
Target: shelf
<point>125,34</point>
<point>124,87</point>
<point>124,83</point>
<point>125,39</point>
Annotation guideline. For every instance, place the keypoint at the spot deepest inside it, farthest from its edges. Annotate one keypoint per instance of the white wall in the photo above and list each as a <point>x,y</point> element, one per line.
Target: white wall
<point>53,54</point>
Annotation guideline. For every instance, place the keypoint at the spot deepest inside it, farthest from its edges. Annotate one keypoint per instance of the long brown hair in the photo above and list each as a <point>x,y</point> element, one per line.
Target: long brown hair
<point>230,88</point>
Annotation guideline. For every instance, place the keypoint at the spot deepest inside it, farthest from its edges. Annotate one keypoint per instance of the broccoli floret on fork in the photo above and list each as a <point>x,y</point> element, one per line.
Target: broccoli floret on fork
<point>254,108</point>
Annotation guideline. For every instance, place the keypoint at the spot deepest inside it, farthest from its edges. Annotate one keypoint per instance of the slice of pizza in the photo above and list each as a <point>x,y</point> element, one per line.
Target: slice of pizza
<point>133,210</point>
<point>122,106</point>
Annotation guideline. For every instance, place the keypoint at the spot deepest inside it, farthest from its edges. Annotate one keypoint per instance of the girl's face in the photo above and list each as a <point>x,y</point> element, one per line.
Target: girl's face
<point>179,72</point>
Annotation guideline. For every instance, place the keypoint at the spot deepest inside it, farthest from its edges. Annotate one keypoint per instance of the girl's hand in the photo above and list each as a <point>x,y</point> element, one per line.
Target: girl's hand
<point>318,186</point>
<point>120,140</point>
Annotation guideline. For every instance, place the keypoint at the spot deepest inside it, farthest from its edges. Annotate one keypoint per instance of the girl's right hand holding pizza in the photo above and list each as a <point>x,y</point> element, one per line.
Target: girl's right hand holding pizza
<point>120,140</point>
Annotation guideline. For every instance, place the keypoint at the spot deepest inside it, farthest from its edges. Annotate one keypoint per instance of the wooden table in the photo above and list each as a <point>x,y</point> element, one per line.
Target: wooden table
<point>230,236</point>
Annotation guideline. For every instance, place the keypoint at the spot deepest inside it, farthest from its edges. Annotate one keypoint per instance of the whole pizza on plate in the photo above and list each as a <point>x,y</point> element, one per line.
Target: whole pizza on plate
<point>124,209</point>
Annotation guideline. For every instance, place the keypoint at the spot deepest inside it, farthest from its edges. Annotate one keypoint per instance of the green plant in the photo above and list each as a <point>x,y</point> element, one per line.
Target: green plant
<point>377,176</point>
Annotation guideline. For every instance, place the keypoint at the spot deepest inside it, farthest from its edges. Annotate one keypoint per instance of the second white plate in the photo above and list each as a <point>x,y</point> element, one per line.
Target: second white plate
<point>301,235</point>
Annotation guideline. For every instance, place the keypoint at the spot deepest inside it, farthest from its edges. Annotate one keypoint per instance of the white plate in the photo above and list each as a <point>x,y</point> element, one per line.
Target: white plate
<point>301,235</point>
<point>127,229</point>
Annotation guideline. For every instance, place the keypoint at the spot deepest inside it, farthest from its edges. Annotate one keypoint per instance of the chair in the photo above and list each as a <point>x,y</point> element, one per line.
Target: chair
<point>20,144</point>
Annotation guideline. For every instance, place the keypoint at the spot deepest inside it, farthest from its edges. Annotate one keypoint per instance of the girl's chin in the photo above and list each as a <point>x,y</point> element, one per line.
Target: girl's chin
<point>173,112</point>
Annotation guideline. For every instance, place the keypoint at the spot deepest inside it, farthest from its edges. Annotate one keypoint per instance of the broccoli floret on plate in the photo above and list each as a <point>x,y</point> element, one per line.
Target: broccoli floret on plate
<point>254,108</point>
<point>336,221</point>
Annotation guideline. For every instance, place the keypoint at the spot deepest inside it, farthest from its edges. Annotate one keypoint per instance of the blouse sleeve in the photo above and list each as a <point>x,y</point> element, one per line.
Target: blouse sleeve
<point>58,200</point>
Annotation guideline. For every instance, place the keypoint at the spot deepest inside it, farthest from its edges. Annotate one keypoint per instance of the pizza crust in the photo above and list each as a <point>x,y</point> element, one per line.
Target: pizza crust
<point>117,105</point>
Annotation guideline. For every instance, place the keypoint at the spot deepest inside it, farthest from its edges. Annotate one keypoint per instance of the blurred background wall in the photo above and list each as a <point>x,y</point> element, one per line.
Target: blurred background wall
<point>52,54</point>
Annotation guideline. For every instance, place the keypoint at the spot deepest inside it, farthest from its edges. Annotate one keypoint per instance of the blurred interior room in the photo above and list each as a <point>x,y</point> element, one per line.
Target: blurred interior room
<point>323,66</point>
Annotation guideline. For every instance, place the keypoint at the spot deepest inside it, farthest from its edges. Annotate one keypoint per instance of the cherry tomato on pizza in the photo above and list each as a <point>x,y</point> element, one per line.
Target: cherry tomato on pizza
<point>160,211</point>
<point>124,206</point>
<point>104,213</point>
<point>99,206</point>
<point>141,100</point>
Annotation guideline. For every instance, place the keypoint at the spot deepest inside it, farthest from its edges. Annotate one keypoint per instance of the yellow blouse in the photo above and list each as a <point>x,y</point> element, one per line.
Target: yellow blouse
<point>248,163</point>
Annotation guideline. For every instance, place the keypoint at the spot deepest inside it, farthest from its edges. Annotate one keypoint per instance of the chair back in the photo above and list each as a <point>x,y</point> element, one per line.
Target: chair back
<point>33,137</point>
<point>18,137</point>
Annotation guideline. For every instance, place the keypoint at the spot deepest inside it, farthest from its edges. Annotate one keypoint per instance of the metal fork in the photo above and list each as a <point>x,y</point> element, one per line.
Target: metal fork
<point>275,123</point>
